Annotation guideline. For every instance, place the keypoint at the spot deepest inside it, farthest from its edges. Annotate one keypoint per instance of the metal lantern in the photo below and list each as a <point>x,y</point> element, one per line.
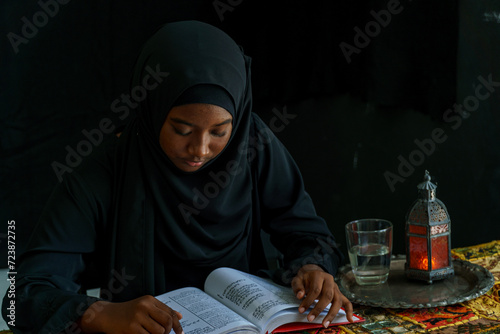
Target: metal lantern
<point>428,239</point>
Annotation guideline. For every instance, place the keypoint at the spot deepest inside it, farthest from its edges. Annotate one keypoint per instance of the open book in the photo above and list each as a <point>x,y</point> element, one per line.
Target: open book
<point>235,301</point>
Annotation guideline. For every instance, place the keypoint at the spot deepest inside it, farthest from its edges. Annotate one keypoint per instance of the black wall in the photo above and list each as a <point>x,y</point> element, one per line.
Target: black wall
<point>352,120</point>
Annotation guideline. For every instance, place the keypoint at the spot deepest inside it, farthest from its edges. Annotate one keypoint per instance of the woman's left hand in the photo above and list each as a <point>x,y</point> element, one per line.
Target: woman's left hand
<point>313,283</point>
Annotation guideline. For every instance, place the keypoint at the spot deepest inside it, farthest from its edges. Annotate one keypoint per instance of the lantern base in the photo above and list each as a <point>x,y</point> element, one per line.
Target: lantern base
<point>428,276</point>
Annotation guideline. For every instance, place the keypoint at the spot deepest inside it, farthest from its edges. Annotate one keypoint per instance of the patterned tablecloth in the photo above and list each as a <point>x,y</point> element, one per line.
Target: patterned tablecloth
<point>480,315</point>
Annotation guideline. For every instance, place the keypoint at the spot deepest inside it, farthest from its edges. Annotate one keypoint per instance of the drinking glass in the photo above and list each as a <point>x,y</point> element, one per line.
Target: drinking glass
<point>369,243</point>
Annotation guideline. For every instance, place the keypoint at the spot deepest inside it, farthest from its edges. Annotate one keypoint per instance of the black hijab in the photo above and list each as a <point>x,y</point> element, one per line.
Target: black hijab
<point>201,219</point>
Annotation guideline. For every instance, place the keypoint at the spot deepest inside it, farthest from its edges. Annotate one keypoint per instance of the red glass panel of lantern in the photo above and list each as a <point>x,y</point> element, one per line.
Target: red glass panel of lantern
<point>418,251</point>
<point>416,229</point>
<point>440,252</point>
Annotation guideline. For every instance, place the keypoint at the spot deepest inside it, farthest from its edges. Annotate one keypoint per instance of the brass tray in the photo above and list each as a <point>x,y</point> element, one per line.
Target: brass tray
<point>470,281</point>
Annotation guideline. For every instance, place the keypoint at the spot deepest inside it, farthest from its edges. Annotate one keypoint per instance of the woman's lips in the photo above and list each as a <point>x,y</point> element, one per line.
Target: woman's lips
<point>194,163</point>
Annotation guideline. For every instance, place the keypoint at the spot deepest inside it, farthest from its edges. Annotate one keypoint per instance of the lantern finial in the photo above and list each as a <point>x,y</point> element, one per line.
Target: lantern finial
<point>427,189</point>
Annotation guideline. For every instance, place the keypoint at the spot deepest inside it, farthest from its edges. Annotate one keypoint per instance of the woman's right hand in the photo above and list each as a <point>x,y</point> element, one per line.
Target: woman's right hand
<point>142,315</point>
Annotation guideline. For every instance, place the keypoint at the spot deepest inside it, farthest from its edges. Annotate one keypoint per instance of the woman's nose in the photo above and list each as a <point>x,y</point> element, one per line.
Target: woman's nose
<point>199,146</point>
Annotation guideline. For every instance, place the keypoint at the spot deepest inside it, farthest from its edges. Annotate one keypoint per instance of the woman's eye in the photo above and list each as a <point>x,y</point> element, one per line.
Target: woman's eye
<point>219,134</point>
<point>182,133</point>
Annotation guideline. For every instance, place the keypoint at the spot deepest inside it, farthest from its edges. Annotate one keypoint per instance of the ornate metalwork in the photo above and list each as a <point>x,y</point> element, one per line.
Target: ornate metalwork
<point>470,281</point>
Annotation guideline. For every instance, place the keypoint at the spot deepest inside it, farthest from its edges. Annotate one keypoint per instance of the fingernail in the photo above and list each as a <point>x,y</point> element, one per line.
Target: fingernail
<point>311,317</point>
<point>302,309</point>
<point>327,324</point>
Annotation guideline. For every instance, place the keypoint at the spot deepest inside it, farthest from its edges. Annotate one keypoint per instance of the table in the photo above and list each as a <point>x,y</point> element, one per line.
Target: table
<point>480,315</point>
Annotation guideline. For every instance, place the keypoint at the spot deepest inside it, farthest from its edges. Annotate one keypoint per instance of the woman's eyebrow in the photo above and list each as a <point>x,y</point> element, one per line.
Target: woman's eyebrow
<point>181,121</point>
<point>227,121</point>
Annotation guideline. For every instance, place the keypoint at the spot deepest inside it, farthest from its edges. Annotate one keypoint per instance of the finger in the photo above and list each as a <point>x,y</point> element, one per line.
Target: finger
<point>298,287</point>
<point>153,326</point>
<point>314,288</point>
<point>168,321</point>
<point>166,317</point>
<point>142,330</point>
<point>176,325</point>
<point>334,309</point>
<point>348,309</point>
<point>326,296</point>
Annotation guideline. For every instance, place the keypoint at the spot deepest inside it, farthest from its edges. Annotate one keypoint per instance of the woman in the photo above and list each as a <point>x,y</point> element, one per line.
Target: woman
<point>186,188</point>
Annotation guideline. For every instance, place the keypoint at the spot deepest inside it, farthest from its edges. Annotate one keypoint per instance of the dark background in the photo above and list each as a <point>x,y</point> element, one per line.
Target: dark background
<point>350,120</point>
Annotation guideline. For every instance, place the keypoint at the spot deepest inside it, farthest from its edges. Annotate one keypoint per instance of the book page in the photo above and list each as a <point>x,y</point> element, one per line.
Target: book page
<point>252,297</point>
<point>201,314</point>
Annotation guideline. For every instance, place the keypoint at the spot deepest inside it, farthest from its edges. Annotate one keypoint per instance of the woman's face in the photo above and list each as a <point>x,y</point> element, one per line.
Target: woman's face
<point>193,134</point>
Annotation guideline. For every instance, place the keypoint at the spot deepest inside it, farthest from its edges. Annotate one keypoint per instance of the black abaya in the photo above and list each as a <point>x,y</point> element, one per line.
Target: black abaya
<point>133,224</point>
